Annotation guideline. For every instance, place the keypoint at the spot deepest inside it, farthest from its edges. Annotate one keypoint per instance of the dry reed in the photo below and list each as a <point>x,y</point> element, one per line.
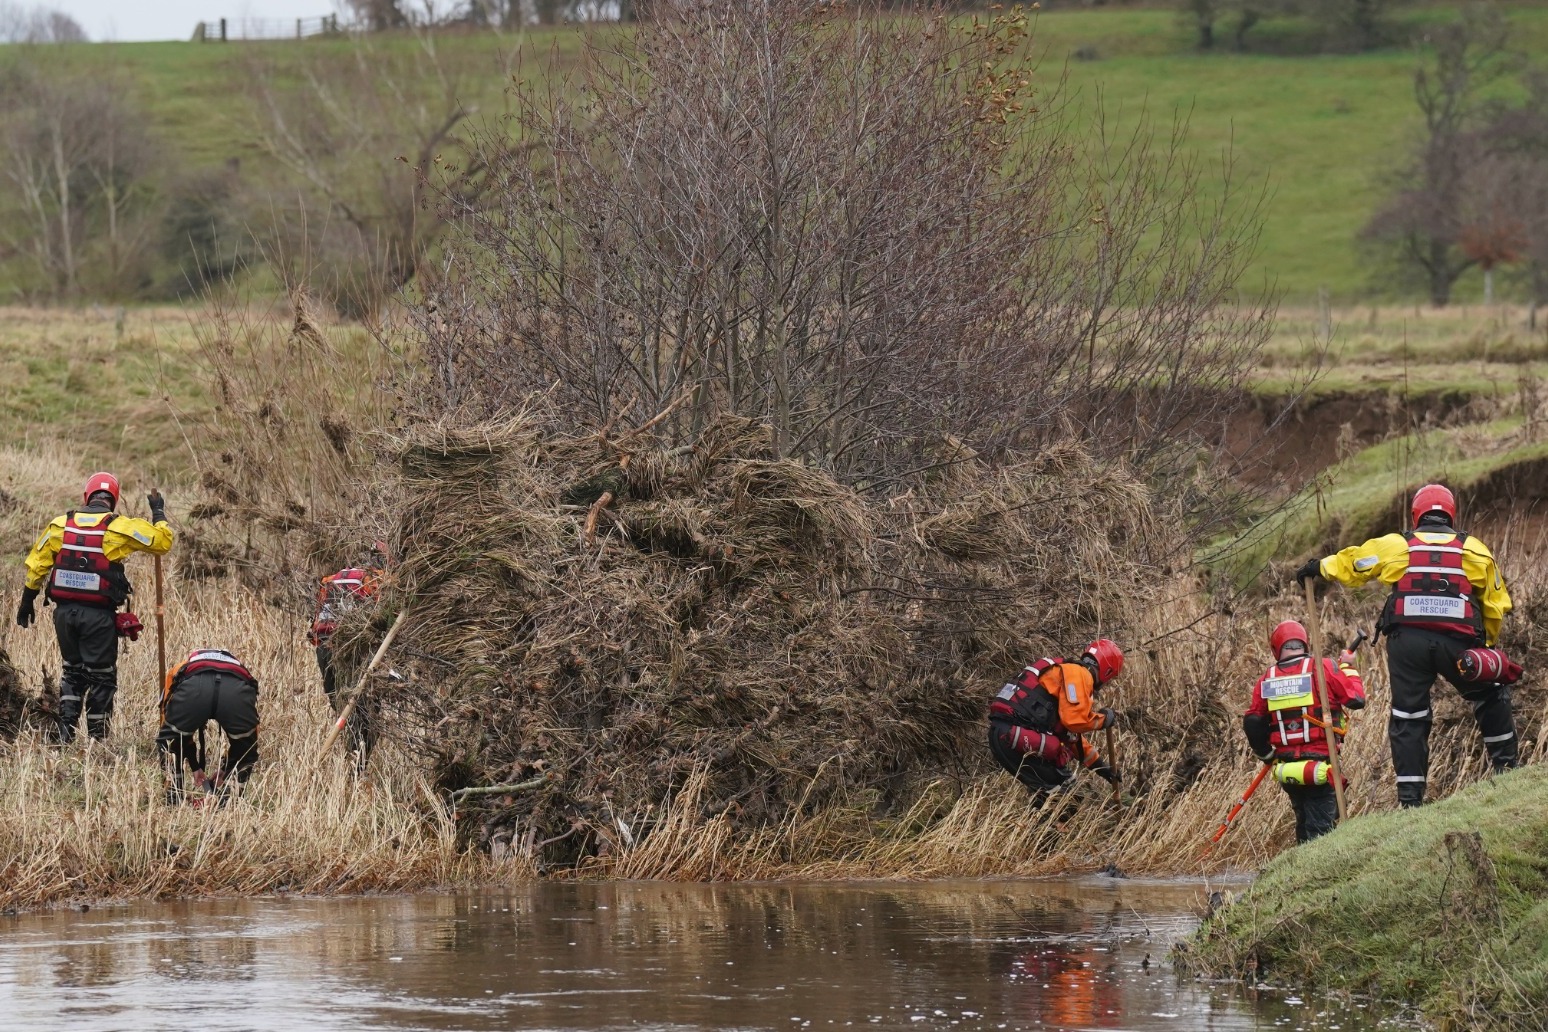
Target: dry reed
<point>753,672</point>
<point>88,821</point>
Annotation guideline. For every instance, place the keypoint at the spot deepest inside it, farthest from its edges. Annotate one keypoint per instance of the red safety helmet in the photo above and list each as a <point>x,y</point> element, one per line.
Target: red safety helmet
<point>100,482</point>
<point>1108,658</point>
<point>1432,498</point>
<point>1284,634</point>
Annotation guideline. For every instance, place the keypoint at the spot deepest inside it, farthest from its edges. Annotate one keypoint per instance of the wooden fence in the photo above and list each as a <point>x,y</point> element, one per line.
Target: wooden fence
<point>228,30</point>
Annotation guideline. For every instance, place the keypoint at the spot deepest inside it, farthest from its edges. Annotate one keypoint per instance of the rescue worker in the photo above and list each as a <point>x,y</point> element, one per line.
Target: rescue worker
<point>1447,597</point>
<point>338,593</point>
<point>79,561</point>
<point>1037,721</point>
<point>1284,725</point>
<point>211,684</point>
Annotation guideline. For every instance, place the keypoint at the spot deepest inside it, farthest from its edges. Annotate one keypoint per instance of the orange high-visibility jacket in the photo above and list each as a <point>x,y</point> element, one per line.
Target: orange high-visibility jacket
<point>1075,688</point>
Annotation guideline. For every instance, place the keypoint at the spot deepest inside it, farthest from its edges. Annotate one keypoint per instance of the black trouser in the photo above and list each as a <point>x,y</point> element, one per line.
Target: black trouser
<point>1037,774</point>
<point>360,732</point>
<point>88,645</point>
<point>1316,810</point>
<point>199,698</point>
<point>1414,658</point>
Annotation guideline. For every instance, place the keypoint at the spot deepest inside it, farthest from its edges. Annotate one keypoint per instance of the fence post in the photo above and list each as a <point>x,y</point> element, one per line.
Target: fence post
<point>223,30</point>
<point>298,28</point>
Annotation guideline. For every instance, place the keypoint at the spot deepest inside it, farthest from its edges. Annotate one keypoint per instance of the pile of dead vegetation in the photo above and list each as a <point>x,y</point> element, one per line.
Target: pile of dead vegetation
<point>603,622</point>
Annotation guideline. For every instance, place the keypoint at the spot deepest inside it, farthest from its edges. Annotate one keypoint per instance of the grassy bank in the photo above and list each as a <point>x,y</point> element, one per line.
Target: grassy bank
<point>1406,350</point>
<point>88,821</point>
<point>1445,909</point>
<point>85,824</point>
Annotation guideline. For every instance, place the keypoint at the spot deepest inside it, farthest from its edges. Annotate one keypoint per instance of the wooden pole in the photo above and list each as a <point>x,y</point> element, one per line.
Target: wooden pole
<point>161,630</point>
<point>354,696</point>
<point>1314,631</point>
<point>1112,761</point>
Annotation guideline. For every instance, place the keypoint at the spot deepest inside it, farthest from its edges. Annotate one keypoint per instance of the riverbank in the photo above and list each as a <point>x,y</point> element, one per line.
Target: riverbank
<point>1445,909</point>
<point>87,822</point>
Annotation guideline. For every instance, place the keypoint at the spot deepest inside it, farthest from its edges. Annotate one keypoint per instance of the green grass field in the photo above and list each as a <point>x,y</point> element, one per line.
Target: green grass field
<point>1318,132</point>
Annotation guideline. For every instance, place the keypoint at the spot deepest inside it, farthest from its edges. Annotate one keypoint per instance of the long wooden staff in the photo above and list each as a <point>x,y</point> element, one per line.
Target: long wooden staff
<point>354,696</point>
<point>161,630</point>
<point>1315,633</point>
<point>1112,761</point>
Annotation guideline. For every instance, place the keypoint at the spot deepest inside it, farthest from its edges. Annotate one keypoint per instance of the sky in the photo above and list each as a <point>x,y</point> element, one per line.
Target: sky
<point>125,20</point>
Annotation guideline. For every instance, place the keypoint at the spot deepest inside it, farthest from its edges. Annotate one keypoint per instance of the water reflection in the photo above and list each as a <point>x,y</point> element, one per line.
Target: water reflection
<point>1086,954</point>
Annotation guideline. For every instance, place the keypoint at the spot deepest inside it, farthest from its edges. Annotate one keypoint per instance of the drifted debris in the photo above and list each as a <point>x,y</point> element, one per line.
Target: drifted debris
<point>20,709</point>
<point>740,618</point>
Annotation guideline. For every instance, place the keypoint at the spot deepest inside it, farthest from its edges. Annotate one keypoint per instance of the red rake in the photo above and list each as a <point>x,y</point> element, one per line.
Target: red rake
<point>1231,815</point>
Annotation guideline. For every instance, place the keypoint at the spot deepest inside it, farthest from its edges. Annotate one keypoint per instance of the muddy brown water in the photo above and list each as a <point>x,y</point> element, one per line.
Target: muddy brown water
<point>1076,954</point>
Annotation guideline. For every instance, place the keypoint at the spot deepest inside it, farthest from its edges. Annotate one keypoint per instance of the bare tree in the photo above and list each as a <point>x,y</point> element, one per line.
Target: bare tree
<point>378,15</point>
<point>1204,16</point>
<point>356,136</point>
<point>1334,24</point>
<point>870,233</point>
<point>1496,213</point>
<point>37,25</point>
<point>77,155</point>
<point>1420,226</point>
<point>1520,132</point>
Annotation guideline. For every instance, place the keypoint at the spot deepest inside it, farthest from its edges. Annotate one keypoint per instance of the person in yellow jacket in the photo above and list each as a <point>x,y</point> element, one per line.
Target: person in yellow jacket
<point>79,561</point>
<point>1447,597</point>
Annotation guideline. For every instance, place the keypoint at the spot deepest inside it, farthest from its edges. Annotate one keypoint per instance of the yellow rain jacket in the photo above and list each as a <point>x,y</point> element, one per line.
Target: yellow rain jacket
<point>1386,559</point>
<point>125,535</point>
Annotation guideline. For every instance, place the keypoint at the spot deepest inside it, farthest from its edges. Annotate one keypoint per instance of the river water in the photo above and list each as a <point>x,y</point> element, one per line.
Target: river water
<point>1076,954</point>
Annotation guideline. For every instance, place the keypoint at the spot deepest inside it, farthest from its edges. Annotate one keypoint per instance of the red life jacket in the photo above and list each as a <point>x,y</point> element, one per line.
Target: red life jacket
<point>213,661</point>
<point>1289,690</point>
<point>1434,593</point>
<point>82,573</point>
<point>339,592</point>
<point>1024,702</point>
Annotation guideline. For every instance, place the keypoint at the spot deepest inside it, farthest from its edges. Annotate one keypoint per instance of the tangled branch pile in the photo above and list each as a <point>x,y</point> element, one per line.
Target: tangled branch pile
<point>795,644</point>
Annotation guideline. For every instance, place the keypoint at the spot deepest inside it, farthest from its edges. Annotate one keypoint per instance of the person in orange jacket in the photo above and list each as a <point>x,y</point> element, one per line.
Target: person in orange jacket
<point>1037,721</point>
<point>1283,725</point>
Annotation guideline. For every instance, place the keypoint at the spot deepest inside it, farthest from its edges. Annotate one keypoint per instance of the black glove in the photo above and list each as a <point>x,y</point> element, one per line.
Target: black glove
<point>158,506</point>
<point>26,613</point>
<point>1109,718</point>
<point>1354,704</point>
<point>1104,770</point>
<point>1267,757</point>
<point>1313,568</point>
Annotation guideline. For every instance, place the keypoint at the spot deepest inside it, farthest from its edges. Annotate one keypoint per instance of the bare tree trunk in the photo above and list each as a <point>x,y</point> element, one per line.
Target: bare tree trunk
<point>62,187</point>
<point>1441,275</point>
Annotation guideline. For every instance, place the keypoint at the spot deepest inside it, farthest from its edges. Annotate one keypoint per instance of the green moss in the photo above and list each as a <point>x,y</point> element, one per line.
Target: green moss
<point>1397,905</point>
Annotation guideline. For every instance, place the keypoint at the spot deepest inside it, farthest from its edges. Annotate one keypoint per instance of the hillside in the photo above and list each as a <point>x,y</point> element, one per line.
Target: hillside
<point>1317,131</point>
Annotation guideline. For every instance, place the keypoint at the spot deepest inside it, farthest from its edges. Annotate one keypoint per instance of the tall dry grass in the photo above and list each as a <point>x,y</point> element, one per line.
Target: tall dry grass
<point>1182,694</point>
<point>88,821</point>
